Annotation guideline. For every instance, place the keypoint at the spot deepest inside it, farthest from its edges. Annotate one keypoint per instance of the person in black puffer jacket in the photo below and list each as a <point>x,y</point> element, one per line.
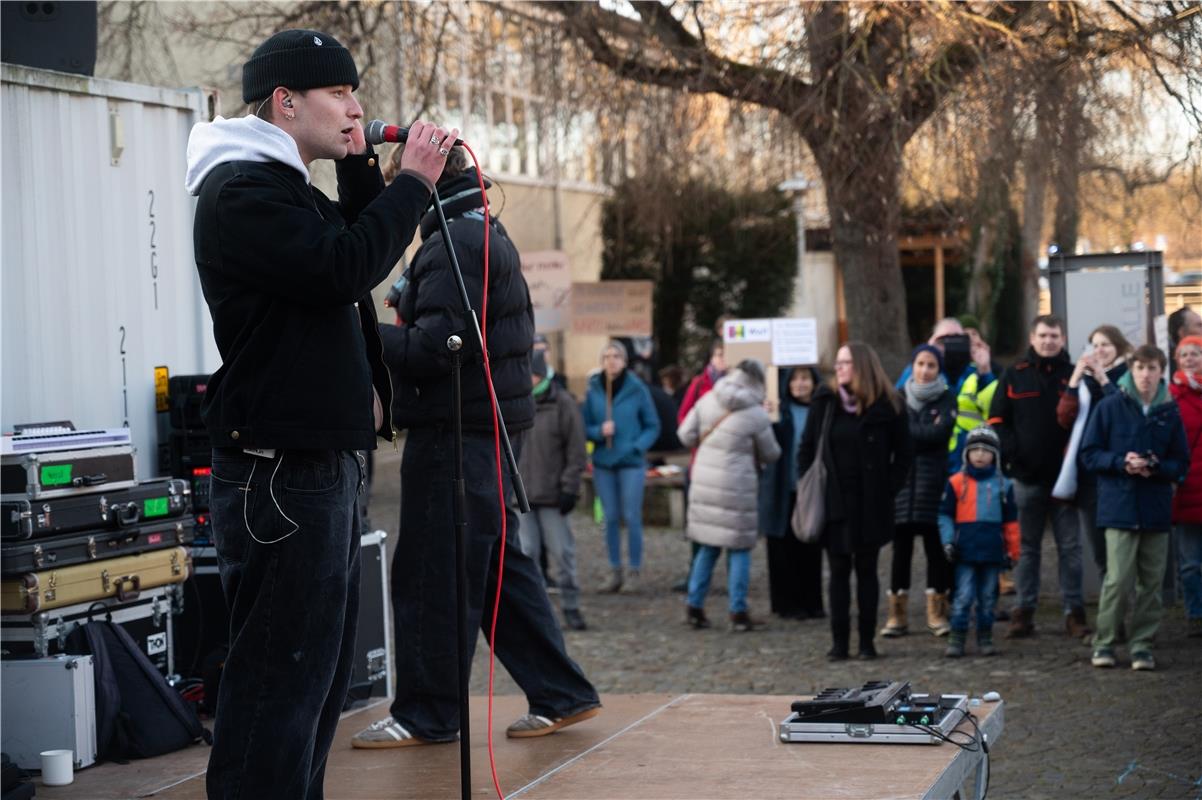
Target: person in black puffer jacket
<point>529,642</point>
<point>931,409</point>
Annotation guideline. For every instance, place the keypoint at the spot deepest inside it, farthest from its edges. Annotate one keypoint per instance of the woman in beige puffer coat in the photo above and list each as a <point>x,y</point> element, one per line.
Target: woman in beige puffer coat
<point>734,439</point>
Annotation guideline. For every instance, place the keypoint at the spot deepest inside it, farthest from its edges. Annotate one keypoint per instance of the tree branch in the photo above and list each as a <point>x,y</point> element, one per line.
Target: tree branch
<point>700,70</point>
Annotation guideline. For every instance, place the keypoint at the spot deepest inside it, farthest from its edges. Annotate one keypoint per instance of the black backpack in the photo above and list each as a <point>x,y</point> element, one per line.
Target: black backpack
<point>138,714</point>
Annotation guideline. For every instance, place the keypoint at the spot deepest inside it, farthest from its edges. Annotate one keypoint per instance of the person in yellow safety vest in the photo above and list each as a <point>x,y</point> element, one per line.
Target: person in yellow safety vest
<point>974,396</point>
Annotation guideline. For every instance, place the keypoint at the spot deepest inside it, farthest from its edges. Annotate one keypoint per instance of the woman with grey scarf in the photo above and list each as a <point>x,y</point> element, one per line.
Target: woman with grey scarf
<point>931,408</point>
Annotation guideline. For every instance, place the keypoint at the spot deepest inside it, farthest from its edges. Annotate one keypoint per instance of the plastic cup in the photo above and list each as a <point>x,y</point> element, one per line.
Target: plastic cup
<point>57,767</point>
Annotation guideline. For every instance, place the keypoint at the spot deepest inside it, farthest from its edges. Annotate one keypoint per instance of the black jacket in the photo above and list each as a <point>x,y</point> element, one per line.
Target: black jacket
<point>930,431</point>
<point>1023,413</point>
<point>885,453</point>
<point>553,452</point>
<point>287,275</point>
<point>431,310</point>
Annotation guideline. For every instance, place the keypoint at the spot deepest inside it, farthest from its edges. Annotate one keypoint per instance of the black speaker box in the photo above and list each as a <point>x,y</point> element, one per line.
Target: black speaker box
<point>49,35</point>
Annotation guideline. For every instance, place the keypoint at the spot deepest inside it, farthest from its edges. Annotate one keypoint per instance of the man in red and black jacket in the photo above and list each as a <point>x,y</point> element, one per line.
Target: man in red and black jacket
<point>1023,413</point>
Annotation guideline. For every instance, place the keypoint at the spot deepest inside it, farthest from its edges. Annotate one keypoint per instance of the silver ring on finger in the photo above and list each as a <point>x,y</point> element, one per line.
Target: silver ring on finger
<point>435,140</point>
<point>442,151</point>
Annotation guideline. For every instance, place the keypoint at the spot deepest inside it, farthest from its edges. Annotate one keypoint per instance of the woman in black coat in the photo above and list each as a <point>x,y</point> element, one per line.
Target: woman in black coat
<point>867,454</point>
<point>794,567</point>
<point>931,411</point>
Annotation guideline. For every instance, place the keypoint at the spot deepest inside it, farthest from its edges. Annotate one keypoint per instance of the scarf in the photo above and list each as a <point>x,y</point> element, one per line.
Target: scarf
<point>1127,387</point>
<point>1191,379</point>
<point>616,383</point>
<point>543,385</point>
<point>919,394</point>
<point>850,404</point>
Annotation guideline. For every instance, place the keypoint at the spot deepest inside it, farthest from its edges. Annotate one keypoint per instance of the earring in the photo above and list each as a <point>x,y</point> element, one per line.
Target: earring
<point>291,116</point>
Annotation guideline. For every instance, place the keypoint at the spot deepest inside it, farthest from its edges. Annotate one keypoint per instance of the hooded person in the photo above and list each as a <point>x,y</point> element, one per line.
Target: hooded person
<point>553,459</point>
<point>733,437</point>
<point>528,642</point>
<point>300,394</point>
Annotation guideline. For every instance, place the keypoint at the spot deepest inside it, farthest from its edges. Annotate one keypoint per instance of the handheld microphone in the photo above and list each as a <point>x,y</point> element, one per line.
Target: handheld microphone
<point>378,132</point>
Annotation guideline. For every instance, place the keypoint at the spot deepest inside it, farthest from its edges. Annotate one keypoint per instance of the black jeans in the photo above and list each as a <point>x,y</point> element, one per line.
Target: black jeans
<point>529,642</point>
<point>794,576</point>
<point>939,572</point>
<point>868,590</point>
<point>287,536</point>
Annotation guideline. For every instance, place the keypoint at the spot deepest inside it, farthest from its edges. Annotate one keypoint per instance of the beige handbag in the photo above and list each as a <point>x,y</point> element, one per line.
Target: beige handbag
<point>809,513</point>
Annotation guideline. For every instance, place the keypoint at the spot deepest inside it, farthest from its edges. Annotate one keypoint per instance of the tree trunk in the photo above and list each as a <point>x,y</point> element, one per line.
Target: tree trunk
<point>1067,171</point>
<point>992,216</point>
<point>866,214</point>
<point>1035,176</point>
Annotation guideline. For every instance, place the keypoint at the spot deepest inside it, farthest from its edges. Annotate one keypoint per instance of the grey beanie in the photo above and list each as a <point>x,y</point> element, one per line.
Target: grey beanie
<point>298,59</point>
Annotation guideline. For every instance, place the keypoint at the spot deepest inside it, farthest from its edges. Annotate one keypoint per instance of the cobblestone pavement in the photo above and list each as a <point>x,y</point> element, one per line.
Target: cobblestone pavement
<point>1072,731</point>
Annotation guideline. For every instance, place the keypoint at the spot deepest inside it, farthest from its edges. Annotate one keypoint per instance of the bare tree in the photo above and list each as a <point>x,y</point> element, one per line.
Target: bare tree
<point>858,80</point>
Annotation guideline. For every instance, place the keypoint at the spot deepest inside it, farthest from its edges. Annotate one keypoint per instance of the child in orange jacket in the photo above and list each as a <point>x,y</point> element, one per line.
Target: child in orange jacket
<point>978,526</point>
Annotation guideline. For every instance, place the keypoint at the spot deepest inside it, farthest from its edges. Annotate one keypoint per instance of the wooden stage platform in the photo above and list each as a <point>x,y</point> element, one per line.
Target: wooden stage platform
<point>640,746</point>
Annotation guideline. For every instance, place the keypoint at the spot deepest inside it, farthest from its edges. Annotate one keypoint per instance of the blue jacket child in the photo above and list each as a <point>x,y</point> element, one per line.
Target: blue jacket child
<point>978,526</point>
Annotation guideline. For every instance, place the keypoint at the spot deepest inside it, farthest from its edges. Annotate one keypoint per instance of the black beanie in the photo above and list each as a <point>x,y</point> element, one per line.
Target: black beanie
<point>299,60</point>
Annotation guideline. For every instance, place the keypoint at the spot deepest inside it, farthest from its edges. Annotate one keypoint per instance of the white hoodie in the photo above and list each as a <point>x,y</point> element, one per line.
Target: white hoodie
<point>212,144</point>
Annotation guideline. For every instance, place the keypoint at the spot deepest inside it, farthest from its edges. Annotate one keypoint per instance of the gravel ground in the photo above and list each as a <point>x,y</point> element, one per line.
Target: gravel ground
<point>1071,730</point>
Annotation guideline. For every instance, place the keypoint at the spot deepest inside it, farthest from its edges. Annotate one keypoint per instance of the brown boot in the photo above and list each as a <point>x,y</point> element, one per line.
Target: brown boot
<point>895,622</point>
<point>1022,624</point>
<point>1074,624</point>
<point>937,613</point>
<point>1005,583</point>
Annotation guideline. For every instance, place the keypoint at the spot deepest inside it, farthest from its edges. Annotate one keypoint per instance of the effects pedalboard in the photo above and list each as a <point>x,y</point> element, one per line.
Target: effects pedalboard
<point>878,712</point>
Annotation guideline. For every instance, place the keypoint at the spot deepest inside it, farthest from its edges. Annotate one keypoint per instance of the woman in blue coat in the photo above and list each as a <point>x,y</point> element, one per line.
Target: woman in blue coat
<point>620,420</point>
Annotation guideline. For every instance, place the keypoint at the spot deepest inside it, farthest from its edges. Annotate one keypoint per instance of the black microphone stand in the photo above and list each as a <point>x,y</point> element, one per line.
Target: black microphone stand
<point>454,345</point>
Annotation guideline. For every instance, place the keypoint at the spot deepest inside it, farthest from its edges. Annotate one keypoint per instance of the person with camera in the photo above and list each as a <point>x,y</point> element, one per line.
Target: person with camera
<point>1033,441</point>
<point>1136,444</point>
<point>301,392</point>
<point>529,642</point>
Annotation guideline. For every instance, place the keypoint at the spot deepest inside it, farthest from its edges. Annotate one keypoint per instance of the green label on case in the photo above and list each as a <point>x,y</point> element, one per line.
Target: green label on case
<point>56,474</point>
<point>155,507</point>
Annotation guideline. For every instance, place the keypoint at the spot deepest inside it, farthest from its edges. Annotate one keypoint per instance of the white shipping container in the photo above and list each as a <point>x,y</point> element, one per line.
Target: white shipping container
<point>98,282</point>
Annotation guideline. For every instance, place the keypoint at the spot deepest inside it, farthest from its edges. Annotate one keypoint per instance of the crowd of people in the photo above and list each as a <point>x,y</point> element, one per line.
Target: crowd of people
<point>971,459</point>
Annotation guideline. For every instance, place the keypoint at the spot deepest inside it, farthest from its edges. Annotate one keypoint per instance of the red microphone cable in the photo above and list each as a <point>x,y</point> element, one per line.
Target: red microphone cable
<point>496,432</point>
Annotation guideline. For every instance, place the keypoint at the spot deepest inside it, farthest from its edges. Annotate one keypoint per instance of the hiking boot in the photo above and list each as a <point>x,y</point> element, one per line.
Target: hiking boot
<point>574,620</point>
<point>385,733</point>
<point>533,725</point>
<point>937,613</point>
<point>1102,657</point>
<point>985,643</point>
<point>1074,624</point>
<point>696,617</point>
<point>836,653</point>
<point>955,644</point>
<point>631,584</point>
<point>614,583</point>
<point>867,652</point>
<point>1142,660</point>
<point>741,622</point>
<point>896,623</point>
<point>1022,624</point>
